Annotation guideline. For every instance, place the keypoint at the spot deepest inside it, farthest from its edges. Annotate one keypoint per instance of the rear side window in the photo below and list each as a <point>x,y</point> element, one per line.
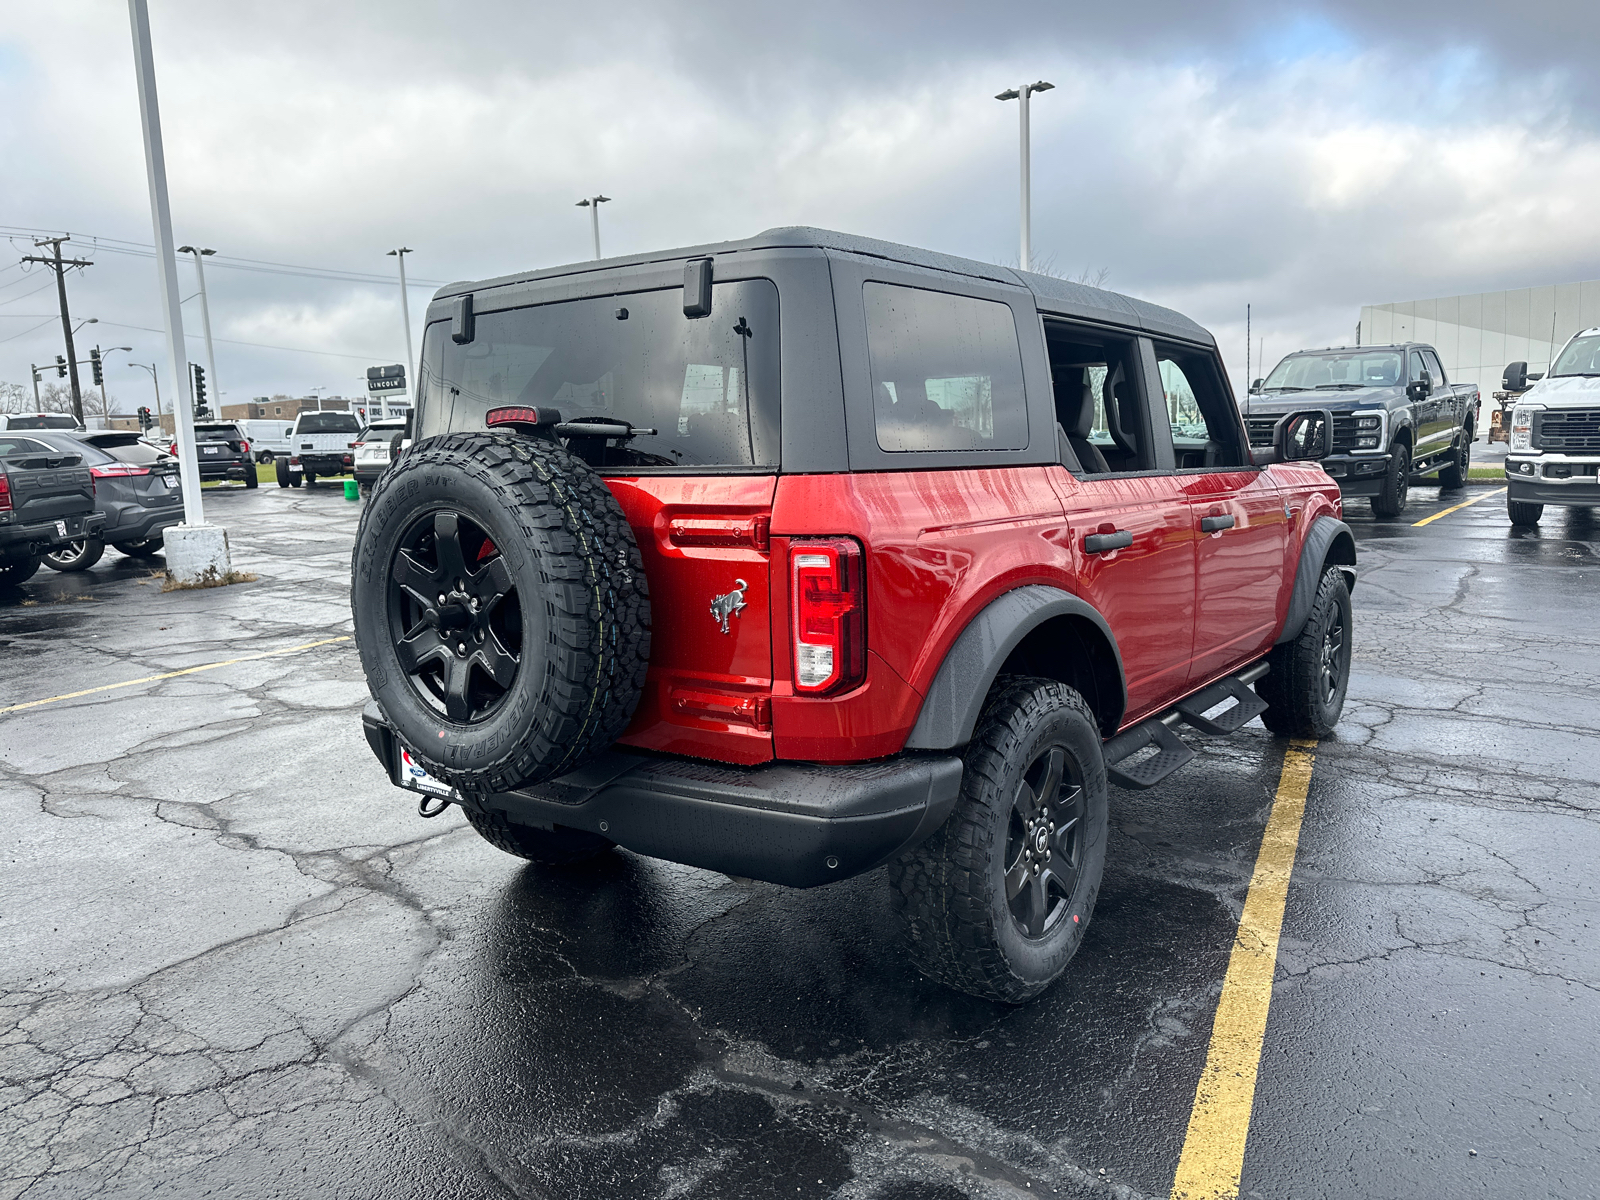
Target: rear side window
<point>706,387</point>
<point>946,371</point>
<point>18,446</point>
<point>1203,416</point>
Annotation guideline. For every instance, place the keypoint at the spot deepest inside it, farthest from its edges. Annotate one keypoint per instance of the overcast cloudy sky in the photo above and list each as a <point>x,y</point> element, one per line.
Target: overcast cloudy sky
<point>1304,158</point>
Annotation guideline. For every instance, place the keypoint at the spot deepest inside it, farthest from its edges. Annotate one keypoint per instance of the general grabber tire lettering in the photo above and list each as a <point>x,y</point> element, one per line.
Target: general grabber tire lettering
<point>501,610</point>
<point>556,847</point>
<point>997,901</point>
<point>1309,675</point>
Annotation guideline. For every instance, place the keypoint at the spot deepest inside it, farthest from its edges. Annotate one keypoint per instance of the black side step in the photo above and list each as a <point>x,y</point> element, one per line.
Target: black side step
<point>1247,707</point>
<point>1171,753</point>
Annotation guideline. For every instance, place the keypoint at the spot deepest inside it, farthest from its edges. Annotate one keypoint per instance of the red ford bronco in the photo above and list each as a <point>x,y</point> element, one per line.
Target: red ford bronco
<point>802,555</point>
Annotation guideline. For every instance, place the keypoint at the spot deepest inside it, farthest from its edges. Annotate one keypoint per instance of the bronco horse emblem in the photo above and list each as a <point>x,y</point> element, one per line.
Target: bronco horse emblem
<point>730,605</point>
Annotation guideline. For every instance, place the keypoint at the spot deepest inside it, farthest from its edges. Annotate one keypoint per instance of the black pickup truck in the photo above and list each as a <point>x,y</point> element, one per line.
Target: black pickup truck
<point>46,500</point>
<point>1396,418</point>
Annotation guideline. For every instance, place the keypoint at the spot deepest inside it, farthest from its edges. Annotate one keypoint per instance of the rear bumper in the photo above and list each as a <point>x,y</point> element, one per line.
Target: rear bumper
<point>797,824</point>
<point>232,469</point>
<point>137,524</point>
<point>20,541</point>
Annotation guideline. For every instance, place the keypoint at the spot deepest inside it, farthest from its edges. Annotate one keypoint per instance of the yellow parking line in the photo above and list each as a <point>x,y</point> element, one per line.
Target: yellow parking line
<point>110,687</point>
<point>1458,507</point>
<point>1213,1149</point>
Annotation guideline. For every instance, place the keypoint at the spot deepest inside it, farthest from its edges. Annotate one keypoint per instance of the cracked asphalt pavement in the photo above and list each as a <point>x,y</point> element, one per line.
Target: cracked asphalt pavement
<point>235,963</point>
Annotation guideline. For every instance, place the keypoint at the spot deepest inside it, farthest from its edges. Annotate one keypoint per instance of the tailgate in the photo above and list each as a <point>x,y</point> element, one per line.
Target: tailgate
<point>704,543</point>
<point>43,489</point>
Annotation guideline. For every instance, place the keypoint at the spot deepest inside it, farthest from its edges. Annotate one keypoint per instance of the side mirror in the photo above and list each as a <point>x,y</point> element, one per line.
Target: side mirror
<point>1516,377</point>
<point>1304,436</point>
<point>1256,386</point>
<point>1535,376</point>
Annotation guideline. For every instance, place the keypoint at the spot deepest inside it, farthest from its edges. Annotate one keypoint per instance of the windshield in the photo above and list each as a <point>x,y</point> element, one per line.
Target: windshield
<point>705,389</point>
<point>1581,357</point>
<point>328,423</point>
<point>1337,368</point>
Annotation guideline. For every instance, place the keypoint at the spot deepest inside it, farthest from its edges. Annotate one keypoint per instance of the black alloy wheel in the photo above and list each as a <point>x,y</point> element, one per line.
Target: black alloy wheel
<point>996,902</point>
<point>1334,662</point>
<point>1044,843</point>
<point>1455,475</point>
<point>1390,502</point>
<point>455,617</point>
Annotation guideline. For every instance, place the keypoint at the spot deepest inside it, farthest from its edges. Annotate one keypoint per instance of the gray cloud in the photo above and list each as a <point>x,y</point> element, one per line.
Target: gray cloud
<point>1306,161</point>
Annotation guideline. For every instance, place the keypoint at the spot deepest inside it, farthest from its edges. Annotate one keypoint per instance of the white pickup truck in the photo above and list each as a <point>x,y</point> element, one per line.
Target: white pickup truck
<point>321,443</point>
<point>1554,453</point>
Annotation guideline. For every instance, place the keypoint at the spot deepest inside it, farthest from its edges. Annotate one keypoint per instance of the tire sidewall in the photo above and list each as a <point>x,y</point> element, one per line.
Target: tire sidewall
<point>1334,600</point>
<point>1039,961</point>
<point>457,754</point>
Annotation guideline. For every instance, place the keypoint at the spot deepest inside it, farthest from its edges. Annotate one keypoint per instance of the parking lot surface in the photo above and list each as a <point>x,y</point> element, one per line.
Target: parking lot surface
<point>234,961</point>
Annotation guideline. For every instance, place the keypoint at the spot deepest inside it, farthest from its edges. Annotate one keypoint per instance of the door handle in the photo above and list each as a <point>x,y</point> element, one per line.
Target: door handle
<point>1213,524</point>
<point>1099,543</point>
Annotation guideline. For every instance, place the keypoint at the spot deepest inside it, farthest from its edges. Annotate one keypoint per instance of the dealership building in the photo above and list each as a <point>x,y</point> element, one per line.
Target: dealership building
<point>1477,335</point>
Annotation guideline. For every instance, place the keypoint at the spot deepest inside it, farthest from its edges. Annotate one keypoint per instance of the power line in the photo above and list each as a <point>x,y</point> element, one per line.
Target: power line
<point>13,337</point>
<point>370,358</point>
<point>263,266</point>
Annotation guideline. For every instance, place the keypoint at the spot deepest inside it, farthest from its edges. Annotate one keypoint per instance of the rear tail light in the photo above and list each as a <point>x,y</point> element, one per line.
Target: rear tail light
<point>244,447</point>
<point>116,470</point>
<point>828,595</point>
<point>348,460</point>
<point>5,493</point>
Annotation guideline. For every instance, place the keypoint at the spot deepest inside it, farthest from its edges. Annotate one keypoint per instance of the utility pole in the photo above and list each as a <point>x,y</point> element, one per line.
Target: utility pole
<point>205,314</point>
<point>59,265</point>
<point>1248,382</point>
<point>1021,94</point>
<point>593,204</point>
<point>405,318</point>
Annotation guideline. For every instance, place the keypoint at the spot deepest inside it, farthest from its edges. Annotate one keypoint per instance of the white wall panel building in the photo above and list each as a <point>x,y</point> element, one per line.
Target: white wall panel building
<point>1477,335</point>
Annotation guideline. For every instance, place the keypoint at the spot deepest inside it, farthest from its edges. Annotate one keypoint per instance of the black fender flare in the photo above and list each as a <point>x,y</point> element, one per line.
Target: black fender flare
<point>1328,539</point>
<point>954,700</point>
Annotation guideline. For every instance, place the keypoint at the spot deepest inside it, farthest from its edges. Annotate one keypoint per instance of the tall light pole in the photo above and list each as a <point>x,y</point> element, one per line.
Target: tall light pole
<point>155,159</point>
<point>105,401</point>
<point>1021,94</point>
<point>593,204</point>
<point>205,316</point>
<point>399,256</point>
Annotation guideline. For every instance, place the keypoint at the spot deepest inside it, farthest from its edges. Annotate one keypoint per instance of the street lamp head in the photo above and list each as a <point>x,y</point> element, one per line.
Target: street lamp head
<point>185,249</point>
<point>581,204</point>
<point>213,251</point>
<point>1008,94</point>
<point>1041,86</point>
<point>92,321</point>
<point>601,199</point>
<point>129,349</point>
<point>401,250</point>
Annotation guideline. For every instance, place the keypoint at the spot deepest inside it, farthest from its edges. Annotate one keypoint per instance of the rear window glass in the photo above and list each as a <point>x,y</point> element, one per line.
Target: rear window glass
<point>140,453</point>
<point>946,371</point>
<point>229,432</point>
<point>707,388</point>
<point>41,421</point>
<point>328,423</point>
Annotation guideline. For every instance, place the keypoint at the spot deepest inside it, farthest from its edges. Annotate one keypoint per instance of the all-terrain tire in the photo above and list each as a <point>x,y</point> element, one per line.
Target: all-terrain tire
<point>77,555</point>
<point>1524,512</point>
<point>19,570</point>
<point>251,478</point>
<point>568,571</point>
<point>1455,475</point>
<point>1390,502</point>
<point>558,847</point>
<point>1309,675</point>
<point>282,469</point>
<point>951,892</point>
<point>143,548</point>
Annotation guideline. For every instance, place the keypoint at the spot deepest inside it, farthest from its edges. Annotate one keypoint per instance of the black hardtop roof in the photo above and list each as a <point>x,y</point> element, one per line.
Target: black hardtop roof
<point>1358,349</point>
<point>1051,294</point>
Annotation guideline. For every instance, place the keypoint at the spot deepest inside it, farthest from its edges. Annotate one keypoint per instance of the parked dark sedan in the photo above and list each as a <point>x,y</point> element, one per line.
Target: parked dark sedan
<point>223,453</point>
<point>136,488</point>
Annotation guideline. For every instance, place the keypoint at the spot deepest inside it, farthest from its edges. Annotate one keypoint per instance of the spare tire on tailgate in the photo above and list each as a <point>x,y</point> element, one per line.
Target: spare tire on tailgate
<point>501,609</point>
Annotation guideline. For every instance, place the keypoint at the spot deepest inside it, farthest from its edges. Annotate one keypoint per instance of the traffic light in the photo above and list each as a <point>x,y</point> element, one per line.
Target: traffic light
<point>145,420</point>
<point>199,388</point>
<point>94,366</point>
<point>61,366</point>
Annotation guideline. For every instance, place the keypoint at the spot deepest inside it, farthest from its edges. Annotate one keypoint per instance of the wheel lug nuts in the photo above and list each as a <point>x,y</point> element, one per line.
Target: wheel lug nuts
<point>441,597</point>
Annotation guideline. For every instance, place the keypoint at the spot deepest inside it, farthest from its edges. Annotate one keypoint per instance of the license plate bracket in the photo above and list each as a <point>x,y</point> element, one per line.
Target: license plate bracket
<point>409,774</point>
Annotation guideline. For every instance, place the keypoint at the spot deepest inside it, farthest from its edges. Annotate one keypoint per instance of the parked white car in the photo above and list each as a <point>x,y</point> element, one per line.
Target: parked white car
<point>1553,456</point>
<point>268,438</point>
<point>374,448</point>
